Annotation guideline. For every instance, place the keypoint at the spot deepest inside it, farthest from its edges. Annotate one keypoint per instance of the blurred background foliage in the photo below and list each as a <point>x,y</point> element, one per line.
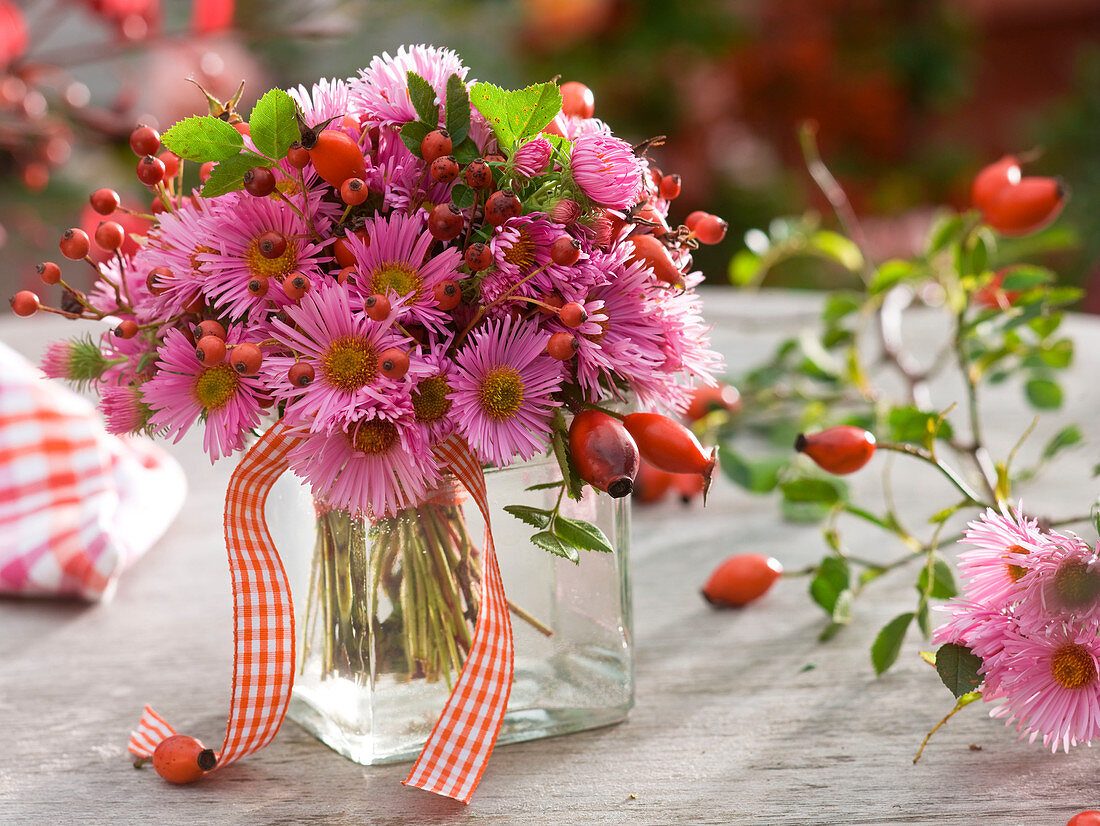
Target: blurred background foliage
<point>910,97</point>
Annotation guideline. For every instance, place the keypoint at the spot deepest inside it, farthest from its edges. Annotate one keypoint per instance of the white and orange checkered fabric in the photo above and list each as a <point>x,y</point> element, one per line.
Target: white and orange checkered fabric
<point>462,741</point>
<point>77,505</point>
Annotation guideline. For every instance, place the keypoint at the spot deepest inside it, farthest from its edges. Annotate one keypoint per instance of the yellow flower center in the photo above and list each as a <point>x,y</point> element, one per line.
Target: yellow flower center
<point>374,437</point>
<point>522,253</point>
<point>216,386</point>
<point>279,267</point>
<point>397,276</point>
<point>202,249</point>
<point>1015,572</point>
<point>349,363</point>
<point>1072,666</point>
<point>501,393</point>
<point>1076,585</point>
<point>430,402</point>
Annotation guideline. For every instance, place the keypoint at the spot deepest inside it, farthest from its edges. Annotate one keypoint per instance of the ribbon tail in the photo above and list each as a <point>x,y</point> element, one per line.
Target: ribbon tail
<point>263,612</point>
<point>460,745</point>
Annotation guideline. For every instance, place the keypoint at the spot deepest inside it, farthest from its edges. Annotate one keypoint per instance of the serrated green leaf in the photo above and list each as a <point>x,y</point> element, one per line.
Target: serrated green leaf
<point>465,152</point>
<point>958,667</point>
<point>839,248</point>
<point>744,267</point>
<point>1043,394</point>
<point>412,133</point>
<point>203,138</point>
<point>887,645</point>
<point>559,440</point>
<point>535,517</point>
<point>273,124</point>
<point>941,585</point>
<point>582,535</point>
<point>462,196</point>
<point>548,542</point>
<point>1065,438</point>
<point>833,577</point>
<point>812,490</point>
<point>457,110</point>
<point>228,175</point>
<point>519,114</point>
<point>422,96</point>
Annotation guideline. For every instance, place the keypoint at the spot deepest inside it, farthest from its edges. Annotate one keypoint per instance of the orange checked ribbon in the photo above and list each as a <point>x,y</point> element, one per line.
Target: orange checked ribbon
<point>462,741</point>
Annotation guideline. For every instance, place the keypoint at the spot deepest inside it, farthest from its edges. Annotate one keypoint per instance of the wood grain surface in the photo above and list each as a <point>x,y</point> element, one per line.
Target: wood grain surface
<point>741,716</point>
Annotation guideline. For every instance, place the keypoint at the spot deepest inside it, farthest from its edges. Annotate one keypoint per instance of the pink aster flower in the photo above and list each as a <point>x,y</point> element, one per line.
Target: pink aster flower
<point>1001,541</point>
<point>521,254</point>
<point>57,361</point>
<point>502,391</point>
<point>606,170</point>
<point>382,89</point>
<point>398,175</point>
<point>378,463</point>
<point>1061,582</point>
<point>343,347</point>
<point>125,279</point>
<point>185,391</point>
<point>396,264</point>
<point>124,409</point>
<point>233,230</point>
<point>1050,685</point>
<point>326,99</point>
<point>177,243</point>
<point>430,396</point>
<point>532,157</point>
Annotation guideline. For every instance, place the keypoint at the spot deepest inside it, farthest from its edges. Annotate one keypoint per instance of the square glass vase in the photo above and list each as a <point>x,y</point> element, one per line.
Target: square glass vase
<point>385,610</point>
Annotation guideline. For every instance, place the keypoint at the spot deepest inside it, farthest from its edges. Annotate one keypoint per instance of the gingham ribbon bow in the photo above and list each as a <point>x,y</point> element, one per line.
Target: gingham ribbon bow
<point>462,741</point>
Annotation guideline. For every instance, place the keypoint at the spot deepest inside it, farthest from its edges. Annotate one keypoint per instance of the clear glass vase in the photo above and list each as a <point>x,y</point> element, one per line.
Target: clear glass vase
<point>385,611</point>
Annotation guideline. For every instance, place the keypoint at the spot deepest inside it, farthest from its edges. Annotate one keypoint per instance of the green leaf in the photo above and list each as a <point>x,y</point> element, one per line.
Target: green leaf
<point>839,248</point>
<point>535,517</point>
<point>462,196</point>
<point>832,578</point>
<point>943,515</point>
<point>758,477</point>
<point>946,229</point>
<point>412,133</point>
<point>908,424</point>
<point>203,139</point>
<point>1043,394</point>
<point>581,534</point>
<point>466,152</point>
<point>519,114</point>
<point>812,490</point>
<point>560,443</point>
<point>457,110</point>
<point>1025,277</point>
<point>958,667</point>
<point>228,175</point>
<point>1058,355</point>
<point>548,542</point>
<point>545,486</point>
<point>744,267</point>
<point>1065,438</point>
<point>422,96</point>
<point>841,616</point>
<point>839,304</point>
<point>941,585</point>
<point>273,123</point>
<point>887,645</point>
<point>891,273</point>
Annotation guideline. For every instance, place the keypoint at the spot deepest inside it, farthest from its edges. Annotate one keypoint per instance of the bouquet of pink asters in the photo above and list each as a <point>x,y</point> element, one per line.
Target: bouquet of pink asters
<point>387,261</point>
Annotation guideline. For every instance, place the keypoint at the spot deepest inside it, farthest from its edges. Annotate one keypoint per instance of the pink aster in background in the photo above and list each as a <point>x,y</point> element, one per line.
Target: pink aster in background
<point>124,409</point>
<point>1001,543</point>
<point>606,170</point>
<point>502,388</point>
<point>382,89</point>
<point>378,463</point>
<point>185,391</point>
<point>396,263</point>
<point>1050,685</point>
<point>129,279</point>
<point>233,230</point>
<point>343,347</point>
<point>325,100</point>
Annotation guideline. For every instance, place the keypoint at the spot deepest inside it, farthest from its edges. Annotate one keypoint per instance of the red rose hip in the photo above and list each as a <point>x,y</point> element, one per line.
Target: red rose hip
<point>841,450</point>
<point>182,759</point>
<point>603,452</point>
<point>741,579</point>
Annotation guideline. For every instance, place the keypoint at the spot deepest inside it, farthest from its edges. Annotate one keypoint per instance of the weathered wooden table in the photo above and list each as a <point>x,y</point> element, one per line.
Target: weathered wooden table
<point>732,724</point>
